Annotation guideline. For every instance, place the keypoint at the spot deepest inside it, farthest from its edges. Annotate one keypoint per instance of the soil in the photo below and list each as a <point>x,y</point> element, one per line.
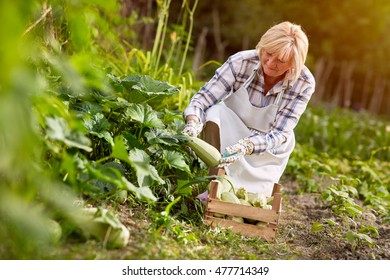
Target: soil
<point>299,213</point>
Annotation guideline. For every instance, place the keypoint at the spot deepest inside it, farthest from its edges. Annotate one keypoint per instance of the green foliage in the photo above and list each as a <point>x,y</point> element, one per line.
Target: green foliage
<point>85,118</point>
<point>74,130</point>
<point>341,198</point>
<point>331,27</point>
<point>345,133</point>
<point>347,151</point>
<point>356,238</point>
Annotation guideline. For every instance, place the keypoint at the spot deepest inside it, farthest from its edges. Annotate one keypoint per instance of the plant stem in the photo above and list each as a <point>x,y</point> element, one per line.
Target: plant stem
<point>160,33</point>
<point>191,13</point>
<point>103,159</point>
<point>166,15</point>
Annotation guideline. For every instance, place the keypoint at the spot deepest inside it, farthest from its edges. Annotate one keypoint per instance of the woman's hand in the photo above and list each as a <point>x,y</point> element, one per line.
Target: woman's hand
<point>236,151</point>
<point>193,127</point>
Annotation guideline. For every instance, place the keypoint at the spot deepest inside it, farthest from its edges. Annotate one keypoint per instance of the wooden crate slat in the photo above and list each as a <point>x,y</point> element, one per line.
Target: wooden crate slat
<point>238,210</point>
<point>242,228</point>
<point>249,212</point>
<point>277,203</point>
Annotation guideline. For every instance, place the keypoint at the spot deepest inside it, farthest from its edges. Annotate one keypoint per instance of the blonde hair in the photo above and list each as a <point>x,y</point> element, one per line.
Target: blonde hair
<point>288,40</point>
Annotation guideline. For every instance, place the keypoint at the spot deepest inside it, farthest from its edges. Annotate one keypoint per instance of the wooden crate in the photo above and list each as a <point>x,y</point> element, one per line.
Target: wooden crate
<point>271,217</point>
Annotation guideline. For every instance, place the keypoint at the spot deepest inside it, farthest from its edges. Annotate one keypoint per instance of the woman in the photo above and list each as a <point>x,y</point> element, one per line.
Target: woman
<point>251,106</point>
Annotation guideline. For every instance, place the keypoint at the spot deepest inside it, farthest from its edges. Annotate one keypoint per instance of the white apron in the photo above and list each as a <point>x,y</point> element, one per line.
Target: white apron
<point>234,116</point>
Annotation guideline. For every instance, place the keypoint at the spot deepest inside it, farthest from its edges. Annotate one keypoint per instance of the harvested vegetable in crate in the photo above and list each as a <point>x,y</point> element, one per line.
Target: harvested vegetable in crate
<point>251,214</point>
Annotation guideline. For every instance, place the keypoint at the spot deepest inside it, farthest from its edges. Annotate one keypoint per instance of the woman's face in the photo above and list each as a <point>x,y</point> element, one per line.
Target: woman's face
<point>272,65</point>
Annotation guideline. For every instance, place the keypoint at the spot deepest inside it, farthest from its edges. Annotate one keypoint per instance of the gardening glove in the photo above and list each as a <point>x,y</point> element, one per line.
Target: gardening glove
<point>236,151</point>
<point>193,128</point>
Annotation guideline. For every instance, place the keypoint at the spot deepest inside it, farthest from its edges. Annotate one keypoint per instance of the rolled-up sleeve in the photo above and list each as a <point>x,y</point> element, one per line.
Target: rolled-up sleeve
<point>217,88</point>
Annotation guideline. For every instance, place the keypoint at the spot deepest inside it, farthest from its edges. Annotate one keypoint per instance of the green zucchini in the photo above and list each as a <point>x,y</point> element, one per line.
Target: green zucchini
<point>206,152</point>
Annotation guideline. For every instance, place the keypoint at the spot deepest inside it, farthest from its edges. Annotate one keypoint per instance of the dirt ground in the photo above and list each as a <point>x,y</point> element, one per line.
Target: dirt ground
<point>300,211</point>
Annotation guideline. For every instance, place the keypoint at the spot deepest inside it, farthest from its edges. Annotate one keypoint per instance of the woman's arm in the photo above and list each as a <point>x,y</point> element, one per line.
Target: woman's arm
<point>226,77</point>
<point>286,120</point>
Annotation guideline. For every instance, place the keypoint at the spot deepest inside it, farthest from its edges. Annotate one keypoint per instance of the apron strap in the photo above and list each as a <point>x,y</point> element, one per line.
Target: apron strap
<point>251,77</point>
<point>278,99</point>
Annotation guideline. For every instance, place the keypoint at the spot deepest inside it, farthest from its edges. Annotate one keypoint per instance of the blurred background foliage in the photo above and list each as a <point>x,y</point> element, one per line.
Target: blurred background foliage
<point>70,69</point>
<point>348,51</point>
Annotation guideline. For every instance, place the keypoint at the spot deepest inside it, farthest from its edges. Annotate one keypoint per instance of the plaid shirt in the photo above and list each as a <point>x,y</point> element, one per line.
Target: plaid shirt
<point>231,76</point>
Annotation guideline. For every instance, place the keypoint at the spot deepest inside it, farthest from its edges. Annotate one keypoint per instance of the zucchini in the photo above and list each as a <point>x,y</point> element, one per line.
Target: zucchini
<point>245,202</point>
<point>227,183</point>
<point>238,219</point>
<point>218,215</point>
<point>55,230</point>
<point>270,200</point>
<point>206,152</point>
<point>230,197</point>
<point>257,199</point>
<point>104,226</point>
<point>261,224</point>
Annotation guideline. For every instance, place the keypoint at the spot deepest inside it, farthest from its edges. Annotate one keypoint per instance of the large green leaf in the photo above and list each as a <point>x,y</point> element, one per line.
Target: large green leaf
<point>176,160</point>
<point>85,107</point>
<point>146,173</point>
<point>145,193</point>
<point>139,160</point>
<point>110,175</point>
<point>160,136</point>
<point>142,89</point>
<point>126,83</point>
<point>130,81</point>
<point>112,170</point>
<point>145,115</point>
<point>132,140</point>
<point>119,150</point>
<point>142,193</point>
<point>152,87</point>
<point>96,122</point>
<point>58,129</point>
<point>98,125</point>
